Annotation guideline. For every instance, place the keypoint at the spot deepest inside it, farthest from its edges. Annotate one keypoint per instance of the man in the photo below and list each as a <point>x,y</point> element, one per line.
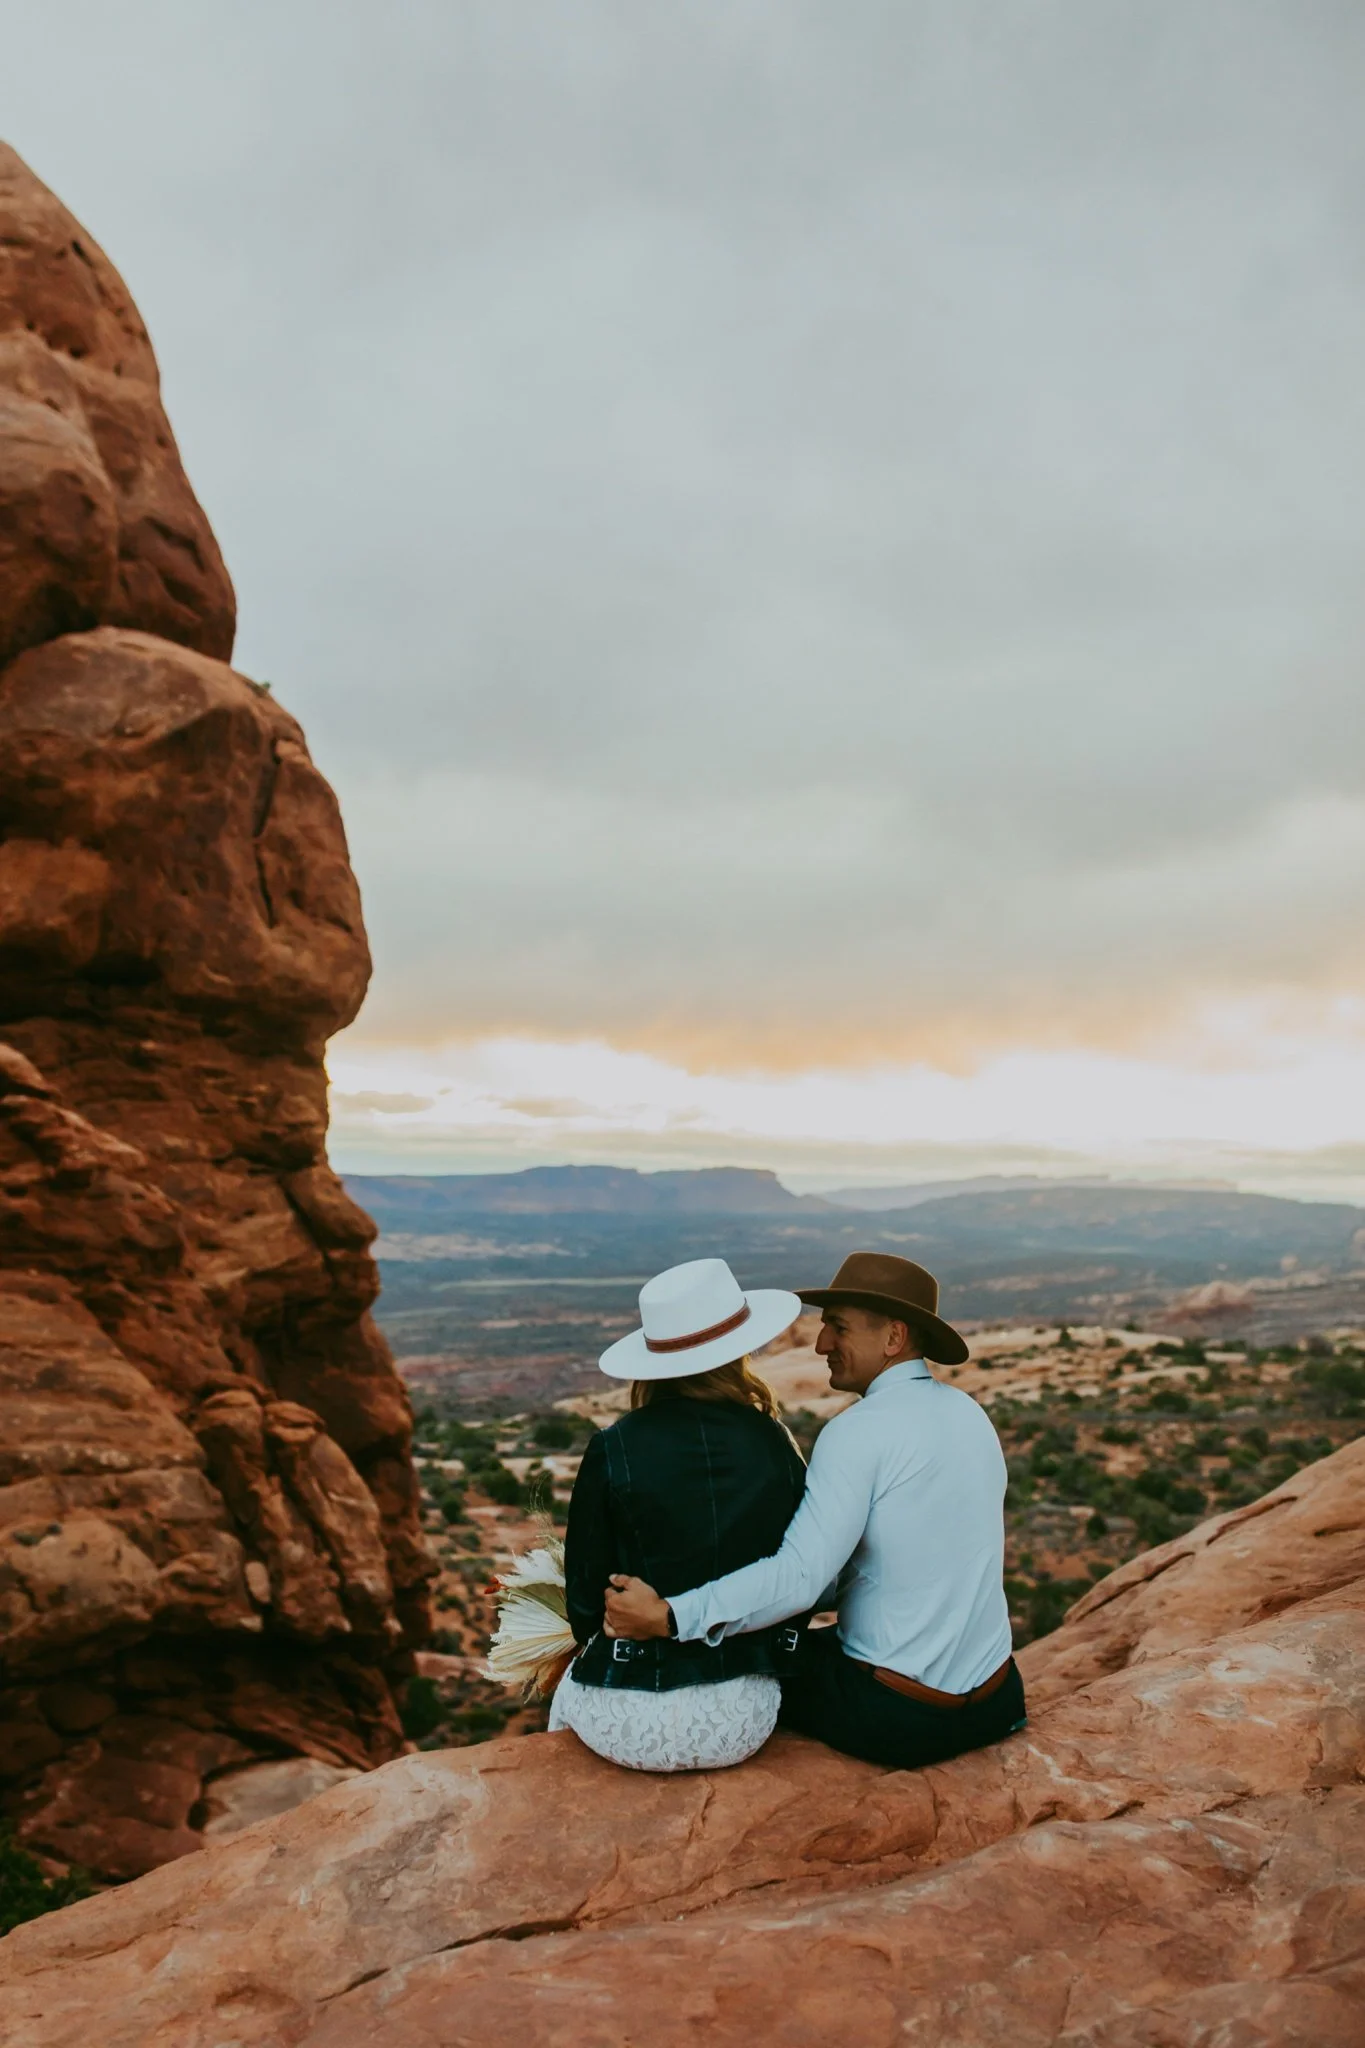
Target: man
<point>904,1504</point>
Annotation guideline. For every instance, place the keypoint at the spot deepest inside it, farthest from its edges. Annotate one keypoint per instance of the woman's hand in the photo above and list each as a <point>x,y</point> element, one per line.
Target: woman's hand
<point>634,1610</point>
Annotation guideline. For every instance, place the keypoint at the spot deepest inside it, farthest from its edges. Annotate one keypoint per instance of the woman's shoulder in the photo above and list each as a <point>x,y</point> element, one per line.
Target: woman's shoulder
<point>736,1422</point>
<point>697,1417</point>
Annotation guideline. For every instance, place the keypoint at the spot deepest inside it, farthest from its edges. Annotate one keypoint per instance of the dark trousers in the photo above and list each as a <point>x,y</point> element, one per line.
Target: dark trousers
<point>841,1703</point>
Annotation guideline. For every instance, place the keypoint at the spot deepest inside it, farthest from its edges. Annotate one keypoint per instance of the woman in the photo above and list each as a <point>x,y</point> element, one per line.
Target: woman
<point>697,1479</point>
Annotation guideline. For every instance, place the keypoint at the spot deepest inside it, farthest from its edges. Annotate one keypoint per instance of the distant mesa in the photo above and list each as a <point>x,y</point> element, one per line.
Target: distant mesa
<point>578,1242</point>
<point>911,1194</point>
<point>1007,1219</point>
<point>410,1201</point>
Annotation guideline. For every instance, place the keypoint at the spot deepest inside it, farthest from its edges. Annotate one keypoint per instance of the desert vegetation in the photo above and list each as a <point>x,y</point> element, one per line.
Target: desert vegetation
<point>1097,1476</point>
<point>32,1885</point>
<point>1115,1443</point>
<point>489,1485</point>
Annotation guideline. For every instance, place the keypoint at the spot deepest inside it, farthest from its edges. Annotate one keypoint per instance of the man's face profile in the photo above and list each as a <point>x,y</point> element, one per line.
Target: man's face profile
<point>857,1344</point>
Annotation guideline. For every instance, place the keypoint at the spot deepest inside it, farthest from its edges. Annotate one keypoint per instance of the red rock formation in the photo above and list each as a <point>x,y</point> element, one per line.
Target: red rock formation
<point>98,524</point>
<point>209,1545</point>
<point>1170,1856</point>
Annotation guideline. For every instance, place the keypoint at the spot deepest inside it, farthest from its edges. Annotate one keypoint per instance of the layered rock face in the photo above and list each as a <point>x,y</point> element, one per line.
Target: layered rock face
<point>1172,1855</point>
<point>209,1545</point>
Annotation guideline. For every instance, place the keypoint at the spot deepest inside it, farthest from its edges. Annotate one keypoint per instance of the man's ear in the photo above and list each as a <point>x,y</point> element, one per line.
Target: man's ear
<point>900,1343</point>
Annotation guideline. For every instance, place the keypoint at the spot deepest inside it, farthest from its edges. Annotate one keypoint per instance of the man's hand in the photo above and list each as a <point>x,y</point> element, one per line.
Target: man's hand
<point>634,1610</point>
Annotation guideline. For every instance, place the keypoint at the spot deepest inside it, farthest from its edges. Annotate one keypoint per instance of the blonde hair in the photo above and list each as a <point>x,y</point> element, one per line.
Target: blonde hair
<point>736,1381</point>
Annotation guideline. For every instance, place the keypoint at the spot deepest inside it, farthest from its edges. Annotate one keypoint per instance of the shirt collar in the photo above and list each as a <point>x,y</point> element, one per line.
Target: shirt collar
<point>899,1375</point>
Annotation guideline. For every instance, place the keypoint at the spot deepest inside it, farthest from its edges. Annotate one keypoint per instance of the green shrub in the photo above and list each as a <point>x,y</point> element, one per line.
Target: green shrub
<point>480,1458</point>
<point>25,1894</point>
<point>1020,1490</point>
<point>502,1486</point>
<point>1170,1489</point>
<point>479,1722</point>
<point>1040,1607</point>
<point>1239,1495</point>
<point>1077,1478</point>
<point>1339,1381</point>
<point>1153,1523</point>
<point>460,1437</point>
<point>553,1433</point>
<point>423,1708</point>
<point>1058,1436</point>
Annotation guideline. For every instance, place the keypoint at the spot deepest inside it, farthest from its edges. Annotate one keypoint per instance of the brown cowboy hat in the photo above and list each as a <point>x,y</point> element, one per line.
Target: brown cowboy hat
<point>897,1288</point>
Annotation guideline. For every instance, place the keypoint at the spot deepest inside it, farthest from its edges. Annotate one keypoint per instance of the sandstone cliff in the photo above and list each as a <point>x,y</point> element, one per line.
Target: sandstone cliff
<point>209,1542</point>
<point>1172,1855</point>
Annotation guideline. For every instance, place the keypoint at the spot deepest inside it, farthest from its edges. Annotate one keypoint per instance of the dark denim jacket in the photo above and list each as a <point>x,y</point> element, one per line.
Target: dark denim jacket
<point>678,1493</point>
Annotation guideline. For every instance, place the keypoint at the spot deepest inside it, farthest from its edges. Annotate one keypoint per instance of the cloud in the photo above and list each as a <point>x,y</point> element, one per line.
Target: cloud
<point>801,535</point>
<point>1288,1116</point>
<point>733,938</point>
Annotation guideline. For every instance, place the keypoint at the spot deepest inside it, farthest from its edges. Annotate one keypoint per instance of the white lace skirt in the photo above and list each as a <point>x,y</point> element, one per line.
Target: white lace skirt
<point>692,1728</point>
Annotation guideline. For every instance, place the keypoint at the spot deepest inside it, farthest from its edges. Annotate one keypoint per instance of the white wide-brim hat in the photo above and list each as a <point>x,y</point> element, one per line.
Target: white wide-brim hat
<point>695,1317</point>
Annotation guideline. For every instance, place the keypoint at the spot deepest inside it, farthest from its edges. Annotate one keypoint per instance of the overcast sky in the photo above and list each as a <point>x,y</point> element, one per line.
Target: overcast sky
<point>817,543</point>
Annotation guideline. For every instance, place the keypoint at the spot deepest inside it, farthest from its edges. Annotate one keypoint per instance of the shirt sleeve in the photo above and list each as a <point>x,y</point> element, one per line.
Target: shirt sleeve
<point>588,1548</point>
<point>820,1539</point>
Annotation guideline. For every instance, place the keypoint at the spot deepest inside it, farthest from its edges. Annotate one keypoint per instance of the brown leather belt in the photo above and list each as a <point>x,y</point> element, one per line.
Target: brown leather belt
<point>913,1690</point>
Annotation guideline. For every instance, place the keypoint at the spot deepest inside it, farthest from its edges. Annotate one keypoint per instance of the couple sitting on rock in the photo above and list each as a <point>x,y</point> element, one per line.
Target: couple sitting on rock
<point>698,1545</point>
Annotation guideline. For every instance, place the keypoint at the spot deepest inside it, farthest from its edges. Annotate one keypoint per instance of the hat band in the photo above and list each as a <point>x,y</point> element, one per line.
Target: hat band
<point>697,1337</point>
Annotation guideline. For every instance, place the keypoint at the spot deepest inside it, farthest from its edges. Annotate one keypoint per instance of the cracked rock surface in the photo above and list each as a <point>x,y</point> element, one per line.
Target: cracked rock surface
<point>1171,1854</point>
<point>209,1541</point>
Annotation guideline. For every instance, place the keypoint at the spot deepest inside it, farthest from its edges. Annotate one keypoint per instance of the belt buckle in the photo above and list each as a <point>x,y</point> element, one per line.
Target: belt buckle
<point>787,1640</point>
<point>622,1650</point>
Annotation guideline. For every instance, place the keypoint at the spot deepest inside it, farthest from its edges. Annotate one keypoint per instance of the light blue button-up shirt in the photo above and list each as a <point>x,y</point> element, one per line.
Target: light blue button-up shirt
<point>905,1506</point>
